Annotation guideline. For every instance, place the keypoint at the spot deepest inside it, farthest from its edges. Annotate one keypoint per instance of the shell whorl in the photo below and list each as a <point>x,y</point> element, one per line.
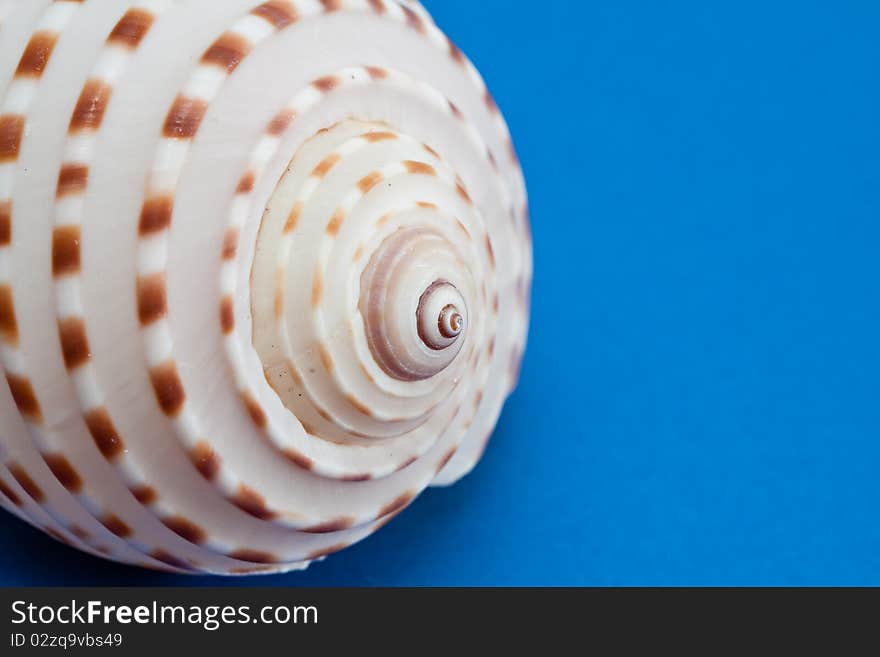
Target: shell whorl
<point>247,311</point>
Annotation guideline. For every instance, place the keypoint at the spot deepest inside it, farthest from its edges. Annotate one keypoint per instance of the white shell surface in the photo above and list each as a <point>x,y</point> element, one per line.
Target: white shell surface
<point>264,274</point>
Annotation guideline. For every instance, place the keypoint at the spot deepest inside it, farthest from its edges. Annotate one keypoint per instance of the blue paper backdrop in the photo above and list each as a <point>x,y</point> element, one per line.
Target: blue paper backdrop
<point>699,402</point>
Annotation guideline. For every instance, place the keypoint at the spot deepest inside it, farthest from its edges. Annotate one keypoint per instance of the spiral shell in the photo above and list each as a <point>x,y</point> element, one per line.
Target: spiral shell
<point>264,274</point>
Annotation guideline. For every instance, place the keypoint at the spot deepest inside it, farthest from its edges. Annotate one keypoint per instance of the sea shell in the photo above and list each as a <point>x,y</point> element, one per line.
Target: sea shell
<point>264,274</point>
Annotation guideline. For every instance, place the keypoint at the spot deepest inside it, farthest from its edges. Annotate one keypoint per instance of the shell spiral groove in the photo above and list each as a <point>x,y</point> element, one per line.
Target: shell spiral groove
<point>258,289</point>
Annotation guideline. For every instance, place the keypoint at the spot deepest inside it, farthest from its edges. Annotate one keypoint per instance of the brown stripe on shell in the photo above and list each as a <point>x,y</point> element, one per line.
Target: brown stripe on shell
<point>455,110</point>
<point>186,529</point>
<point>227,51</point>
<point>376,72</point>
<point>478,399</point>
<point>324,414</point>
<point>205,460</point>
<point>74,342</point>
<point>170,560</point>
<point>431,151</point>
<point>8,322</point>
<point>72,179</point>
<point>250,570</point>
<point>359,405</point>
<point>463,192</point>
<point>278,297</point>
<point>36,55</point>
<point>252,503</point>
<point>335,525</point>
<point>230,243</point>
<point>326,358</point>
<point>396,504</point>
<point>511,152</point>
<point>5,222</point>
<point>367,373</point>
<point>104,433</point>
<point>227,315</point>
<point>24,397</point>
<point>378,6</point>
<point>455,52</point>
<point>9,494</point>
<point>378,135</point>
<point>65,250</point>
<point>291,371</point>
<point>131,28</point>
<point>326,84</point>
<point>490,102</point>
<point>280,122</point>
<point>151,298</point>
<point>293,218</point>
<point>246,183</point>
<point>331,5</point>
<point>447,457</point>
<point>89,111</point>
<point>420,168</point>
<point>335,223</point>
<point>28,485</point>
<point>515,366</point>
<point>58,536</point>
<point>384,521</point>
<point>300,460</point>
<point>317,288</point>
<point>253,556</point>
<point>326,165</point>
<point>155,215</point>
<point>369,181</point>
<point>426,205</point>
<point>276,12</point>
<point>152,566</point>
<point>413,19</point>
<point>11,132</point>
<point>168,388</point>
<point>116,525</point>
<point>146,495</point>
<point>355,478</point>
<point>408,462</point>
<point>79,532</point>
<point>258,416</point>
<point>490,251</point>
<point>184,117</point>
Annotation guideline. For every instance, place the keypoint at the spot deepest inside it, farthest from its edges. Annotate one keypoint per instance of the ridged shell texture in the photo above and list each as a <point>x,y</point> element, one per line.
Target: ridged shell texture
<point>264,274</point>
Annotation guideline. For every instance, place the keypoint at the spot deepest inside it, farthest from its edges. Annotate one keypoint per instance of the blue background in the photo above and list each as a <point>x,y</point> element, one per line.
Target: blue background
<point>699,402</point>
